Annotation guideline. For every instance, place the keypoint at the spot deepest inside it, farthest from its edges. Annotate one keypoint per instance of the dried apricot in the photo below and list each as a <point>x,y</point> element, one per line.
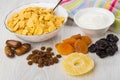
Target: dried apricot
<point>64,48</point>
<point>87,39</point>
<point>77,36</point>
<point>70,41</point>
<point>81,46</point>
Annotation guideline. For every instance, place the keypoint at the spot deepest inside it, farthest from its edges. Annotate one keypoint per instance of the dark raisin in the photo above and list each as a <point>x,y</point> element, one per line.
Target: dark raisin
<point>43,57</point>
<point>40,61</point>
<point>52,53</point>
<point>40,65</point>
<point>30,62</point>
<point>112,38</point>
<point>29,56</point>
<point>59,56</point>
<point>35,60</point>
<point>49,49</point>
<point>36,51</point>
<point>51,61</point>
<point>46,63</point>
<point>55,59</point>
<point>43,48</point>
<point>92,48</point>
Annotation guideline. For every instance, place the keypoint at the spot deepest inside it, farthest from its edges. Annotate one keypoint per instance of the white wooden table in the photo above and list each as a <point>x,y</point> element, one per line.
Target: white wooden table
<point>18,69</point>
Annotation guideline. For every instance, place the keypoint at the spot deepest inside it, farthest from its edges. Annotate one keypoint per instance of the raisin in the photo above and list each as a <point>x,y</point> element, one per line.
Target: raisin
<point>43,48</point>
<point>40,65</point>
<point>30,62</point>
<point>43,57</point>
<point>49,49</point>
<point>29,56</point>
<point>58,56</point>
<point>55,59</point>
<point>36,51</point>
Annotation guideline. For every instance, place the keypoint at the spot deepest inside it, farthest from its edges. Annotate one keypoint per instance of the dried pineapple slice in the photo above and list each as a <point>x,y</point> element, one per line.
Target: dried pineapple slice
<point>77,64</point>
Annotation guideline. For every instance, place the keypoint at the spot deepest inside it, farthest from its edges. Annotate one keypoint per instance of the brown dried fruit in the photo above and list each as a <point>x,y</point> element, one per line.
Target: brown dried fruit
<point>9,52</point>
<point>49,49</point>
<point>58,56</point>
<point>40,65</point>
<point>81,46</point>
<point>23,49</point>
<point>43,57</point>
<point>30,62</point>
<point>55,60</point>
<point>13,43</point>
<point>43,48</point>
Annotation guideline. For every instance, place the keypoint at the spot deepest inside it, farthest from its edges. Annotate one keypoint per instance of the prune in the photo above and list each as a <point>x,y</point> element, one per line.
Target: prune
<point>112,38</point>
<point>110,51</point>
<point>92,48</point>
<point>103,39</point>
<point>105,46</point>
<point>114,46</point>
<point>101,44</point>
<point>101,53</point>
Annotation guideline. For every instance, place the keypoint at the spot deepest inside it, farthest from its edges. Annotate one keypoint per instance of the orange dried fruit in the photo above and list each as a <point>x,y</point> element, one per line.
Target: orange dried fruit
<point>77,36</point>
<point>64,48</point>
<point>87,39</point>
<point>70,41</point>
<point>81,46</point>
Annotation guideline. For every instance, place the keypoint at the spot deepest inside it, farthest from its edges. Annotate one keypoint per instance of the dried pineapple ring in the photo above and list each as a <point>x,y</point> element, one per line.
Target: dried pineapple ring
<point>77,64</point>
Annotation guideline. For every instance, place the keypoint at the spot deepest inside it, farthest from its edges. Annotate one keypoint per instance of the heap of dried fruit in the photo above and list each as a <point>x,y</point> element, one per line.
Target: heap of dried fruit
<point>105,46</point>
<point>43,57</point>
<point>75,43</point>
<point>16,47</point>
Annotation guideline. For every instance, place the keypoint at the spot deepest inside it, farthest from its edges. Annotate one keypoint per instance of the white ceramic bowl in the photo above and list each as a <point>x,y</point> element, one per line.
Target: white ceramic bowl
<point>95,24</point>
<point>60,11</point>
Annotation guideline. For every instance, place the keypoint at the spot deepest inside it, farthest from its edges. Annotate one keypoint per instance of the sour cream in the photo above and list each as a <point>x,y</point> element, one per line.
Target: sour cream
<point>94,20</point>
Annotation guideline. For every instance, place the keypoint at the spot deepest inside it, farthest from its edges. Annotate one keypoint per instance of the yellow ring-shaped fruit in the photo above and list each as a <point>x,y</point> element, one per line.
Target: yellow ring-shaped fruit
<point>77,64</point>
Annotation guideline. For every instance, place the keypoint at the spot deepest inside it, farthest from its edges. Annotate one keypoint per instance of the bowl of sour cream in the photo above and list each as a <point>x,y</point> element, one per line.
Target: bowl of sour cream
<point>94,21</point>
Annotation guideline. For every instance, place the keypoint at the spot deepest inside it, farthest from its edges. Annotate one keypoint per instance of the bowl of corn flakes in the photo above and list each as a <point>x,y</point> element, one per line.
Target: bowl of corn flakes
<point>36,22</point>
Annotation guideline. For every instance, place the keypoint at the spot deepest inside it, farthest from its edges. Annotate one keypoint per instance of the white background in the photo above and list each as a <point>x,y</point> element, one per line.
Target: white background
<point>18,69</point>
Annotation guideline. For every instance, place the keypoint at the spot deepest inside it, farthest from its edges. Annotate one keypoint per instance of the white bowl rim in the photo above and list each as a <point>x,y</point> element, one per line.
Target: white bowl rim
<point>91,8</point>
<point>33,4</point>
